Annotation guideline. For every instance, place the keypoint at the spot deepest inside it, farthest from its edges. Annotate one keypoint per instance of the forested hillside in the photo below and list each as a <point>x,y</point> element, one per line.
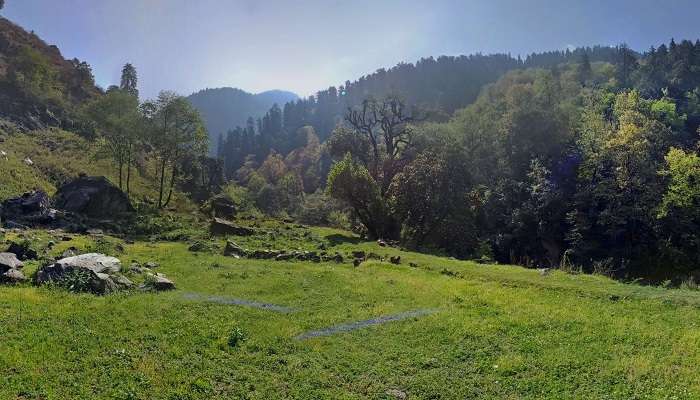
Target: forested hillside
<point>580,163</point>
<point>438,86</point>
<point>225,108</point>
<point>38,87</point>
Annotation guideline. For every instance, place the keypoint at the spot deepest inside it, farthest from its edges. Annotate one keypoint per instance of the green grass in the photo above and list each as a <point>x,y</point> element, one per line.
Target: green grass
<point>500,332</point>
<point>59,156</point>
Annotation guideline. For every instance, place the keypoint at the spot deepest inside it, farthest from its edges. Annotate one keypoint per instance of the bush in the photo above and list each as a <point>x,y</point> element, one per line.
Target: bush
<point>236,337</point>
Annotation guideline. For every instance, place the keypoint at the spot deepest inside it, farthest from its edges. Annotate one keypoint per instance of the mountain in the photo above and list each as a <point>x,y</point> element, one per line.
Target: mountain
<point>38,87</point>
<point>225,108</point>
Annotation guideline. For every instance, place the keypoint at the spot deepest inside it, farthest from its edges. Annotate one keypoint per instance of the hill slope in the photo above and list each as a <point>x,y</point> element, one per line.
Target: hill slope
<point>476,331</point>
<point>225,108</point>
<point>38,87</point>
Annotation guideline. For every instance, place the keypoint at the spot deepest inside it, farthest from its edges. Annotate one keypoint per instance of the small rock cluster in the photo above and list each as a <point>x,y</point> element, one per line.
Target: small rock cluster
<point>234,250</point>
<point>223,227</point>
<point>11,269</point>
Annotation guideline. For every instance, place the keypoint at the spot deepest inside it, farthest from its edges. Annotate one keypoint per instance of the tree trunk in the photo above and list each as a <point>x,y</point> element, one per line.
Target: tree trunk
<point>172,184</point>
<point>162,183</point>
<point>128,174</point>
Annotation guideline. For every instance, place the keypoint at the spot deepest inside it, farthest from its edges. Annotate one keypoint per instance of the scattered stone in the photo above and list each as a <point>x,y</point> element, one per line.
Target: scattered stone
<point>358,254</point>
<point>23,251</point>
<point>151,264</point>
<point>356,262</point>
<point>395,260</point>
<point>223,227</point>
<point>234,250</point>
<point>158,282</point>
<point>30,207</point>
<point>95,232</point>
<point>222,206</point>
<point>9,261</point>
<point>93,196</point>
<point>66,239</point>
<point>70,252</point>
<point>98,270</point>
<point>28,161</point>
<point>397,394</point>
<point>544,271</point>
<point>361,324</point>
<point>12,276</point>
<point>381,243</point>
<point>413,265</point>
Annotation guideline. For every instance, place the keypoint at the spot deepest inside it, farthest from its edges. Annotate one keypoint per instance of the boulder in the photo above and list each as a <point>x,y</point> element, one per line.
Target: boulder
<point>93,196</point>
<point>223,227</point>
<point>12,276</point>
<point>159,283</point>
<point>22,251</point>
<point>34,205</point>
<point>97,271</point>
<point>234,250</point>
<point>222,206</point>
<point>395,260</point>
<point>9,261</point>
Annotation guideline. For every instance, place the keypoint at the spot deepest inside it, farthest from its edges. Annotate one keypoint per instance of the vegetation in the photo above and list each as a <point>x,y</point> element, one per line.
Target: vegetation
<point>499,331</point>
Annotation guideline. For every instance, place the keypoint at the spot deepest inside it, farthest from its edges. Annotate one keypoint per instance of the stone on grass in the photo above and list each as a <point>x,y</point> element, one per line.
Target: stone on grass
<point>395,260</point>
<point>158,282</point>
<point>9,261</point>
<point>22,251</point>
<point>12,276</point>
<point>223,227</point>
<point>234,250</point>
<point>97,272</point>
<point>397,394</point>
<point>93,196</point>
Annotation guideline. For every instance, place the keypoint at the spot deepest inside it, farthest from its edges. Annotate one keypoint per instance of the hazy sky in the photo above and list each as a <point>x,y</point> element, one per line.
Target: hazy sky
<point>307,45</point>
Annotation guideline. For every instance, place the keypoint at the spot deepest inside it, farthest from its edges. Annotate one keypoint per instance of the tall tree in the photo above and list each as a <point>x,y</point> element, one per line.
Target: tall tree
<point>129,81</point>
<point>176,132</point>
<point>117,118</point>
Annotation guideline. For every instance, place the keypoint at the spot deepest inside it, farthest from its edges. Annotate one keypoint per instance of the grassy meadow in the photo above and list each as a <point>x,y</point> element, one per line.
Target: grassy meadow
<point>498,332</point>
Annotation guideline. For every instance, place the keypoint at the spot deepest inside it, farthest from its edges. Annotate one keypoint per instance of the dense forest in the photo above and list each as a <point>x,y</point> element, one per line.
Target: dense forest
<point>584,159</point>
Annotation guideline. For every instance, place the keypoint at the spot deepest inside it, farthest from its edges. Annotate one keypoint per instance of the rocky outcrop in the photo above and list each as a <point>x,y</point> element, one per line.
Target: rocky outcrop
<point>222,206</point>
<point>28,209</point>
<point>92,272</point>
<point>223,227</point>
<point>10,269</point>
<point>94,197</point>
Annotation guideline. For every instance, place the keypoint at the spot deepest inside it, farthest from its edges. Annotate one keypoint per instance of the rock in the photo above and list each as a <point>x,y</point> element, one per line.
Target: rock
<point>395,260</point>
<point>66,239</point>
<point>222,206</point>
<point>544,271</point>
<point>9,261</point>
<point>34,205</point>
<point>222,227</point>
<point>198,247</point>
<point>93,196</point>
<point>358,254</point>
<point>122,282</point>
<point>151,264</point>
<point>397,394</point>
<point>413,265</point>
<point>234,250</point>
<point>70,252</point>
<point>95,232</point>
<point>381,242</point>
<point>356,262</point>
<point>12,276</point>
<point>159,283</point>
<point>28,161</point>
<point>97,272</point>
<point>23,251</point>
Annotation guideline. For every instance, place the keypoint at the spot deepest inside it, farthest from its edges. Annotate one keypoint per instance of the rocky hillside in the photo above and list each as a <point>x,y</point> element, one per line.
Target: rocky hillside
<point>38,86</point>
<point>225,108</point>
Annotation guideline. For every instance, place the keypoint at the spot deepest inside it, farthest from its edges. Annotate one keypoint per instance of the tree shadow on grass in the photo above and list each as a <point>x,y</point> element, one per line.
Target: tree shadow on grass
<point>336,239</point>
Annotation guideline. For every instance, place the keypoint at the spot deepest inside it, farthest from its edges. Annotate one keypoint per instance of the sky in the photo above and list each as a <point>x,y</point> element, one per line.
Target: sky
<point>308,45</point>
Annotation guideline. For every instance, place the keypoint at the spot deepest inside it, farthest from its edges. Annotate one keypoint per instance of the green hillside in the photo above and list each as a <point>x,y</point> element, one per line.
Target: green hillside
<point>488,332</point>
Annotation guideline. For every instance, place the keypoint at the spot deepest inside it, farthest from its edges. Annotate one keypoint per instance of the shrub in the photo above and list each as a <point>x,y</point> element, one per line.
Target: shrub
<point>236,337</point>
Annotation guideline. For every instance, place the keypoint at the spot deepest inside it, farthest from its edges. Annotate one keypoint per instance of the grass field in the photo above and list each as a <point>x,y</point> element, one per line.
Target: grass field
<point>498,332</point>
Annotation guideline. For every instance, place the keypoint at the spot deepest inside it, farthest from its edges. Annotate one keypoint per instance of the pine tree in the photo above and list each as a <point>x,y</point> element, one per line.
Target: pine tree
<point>129,80</point>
